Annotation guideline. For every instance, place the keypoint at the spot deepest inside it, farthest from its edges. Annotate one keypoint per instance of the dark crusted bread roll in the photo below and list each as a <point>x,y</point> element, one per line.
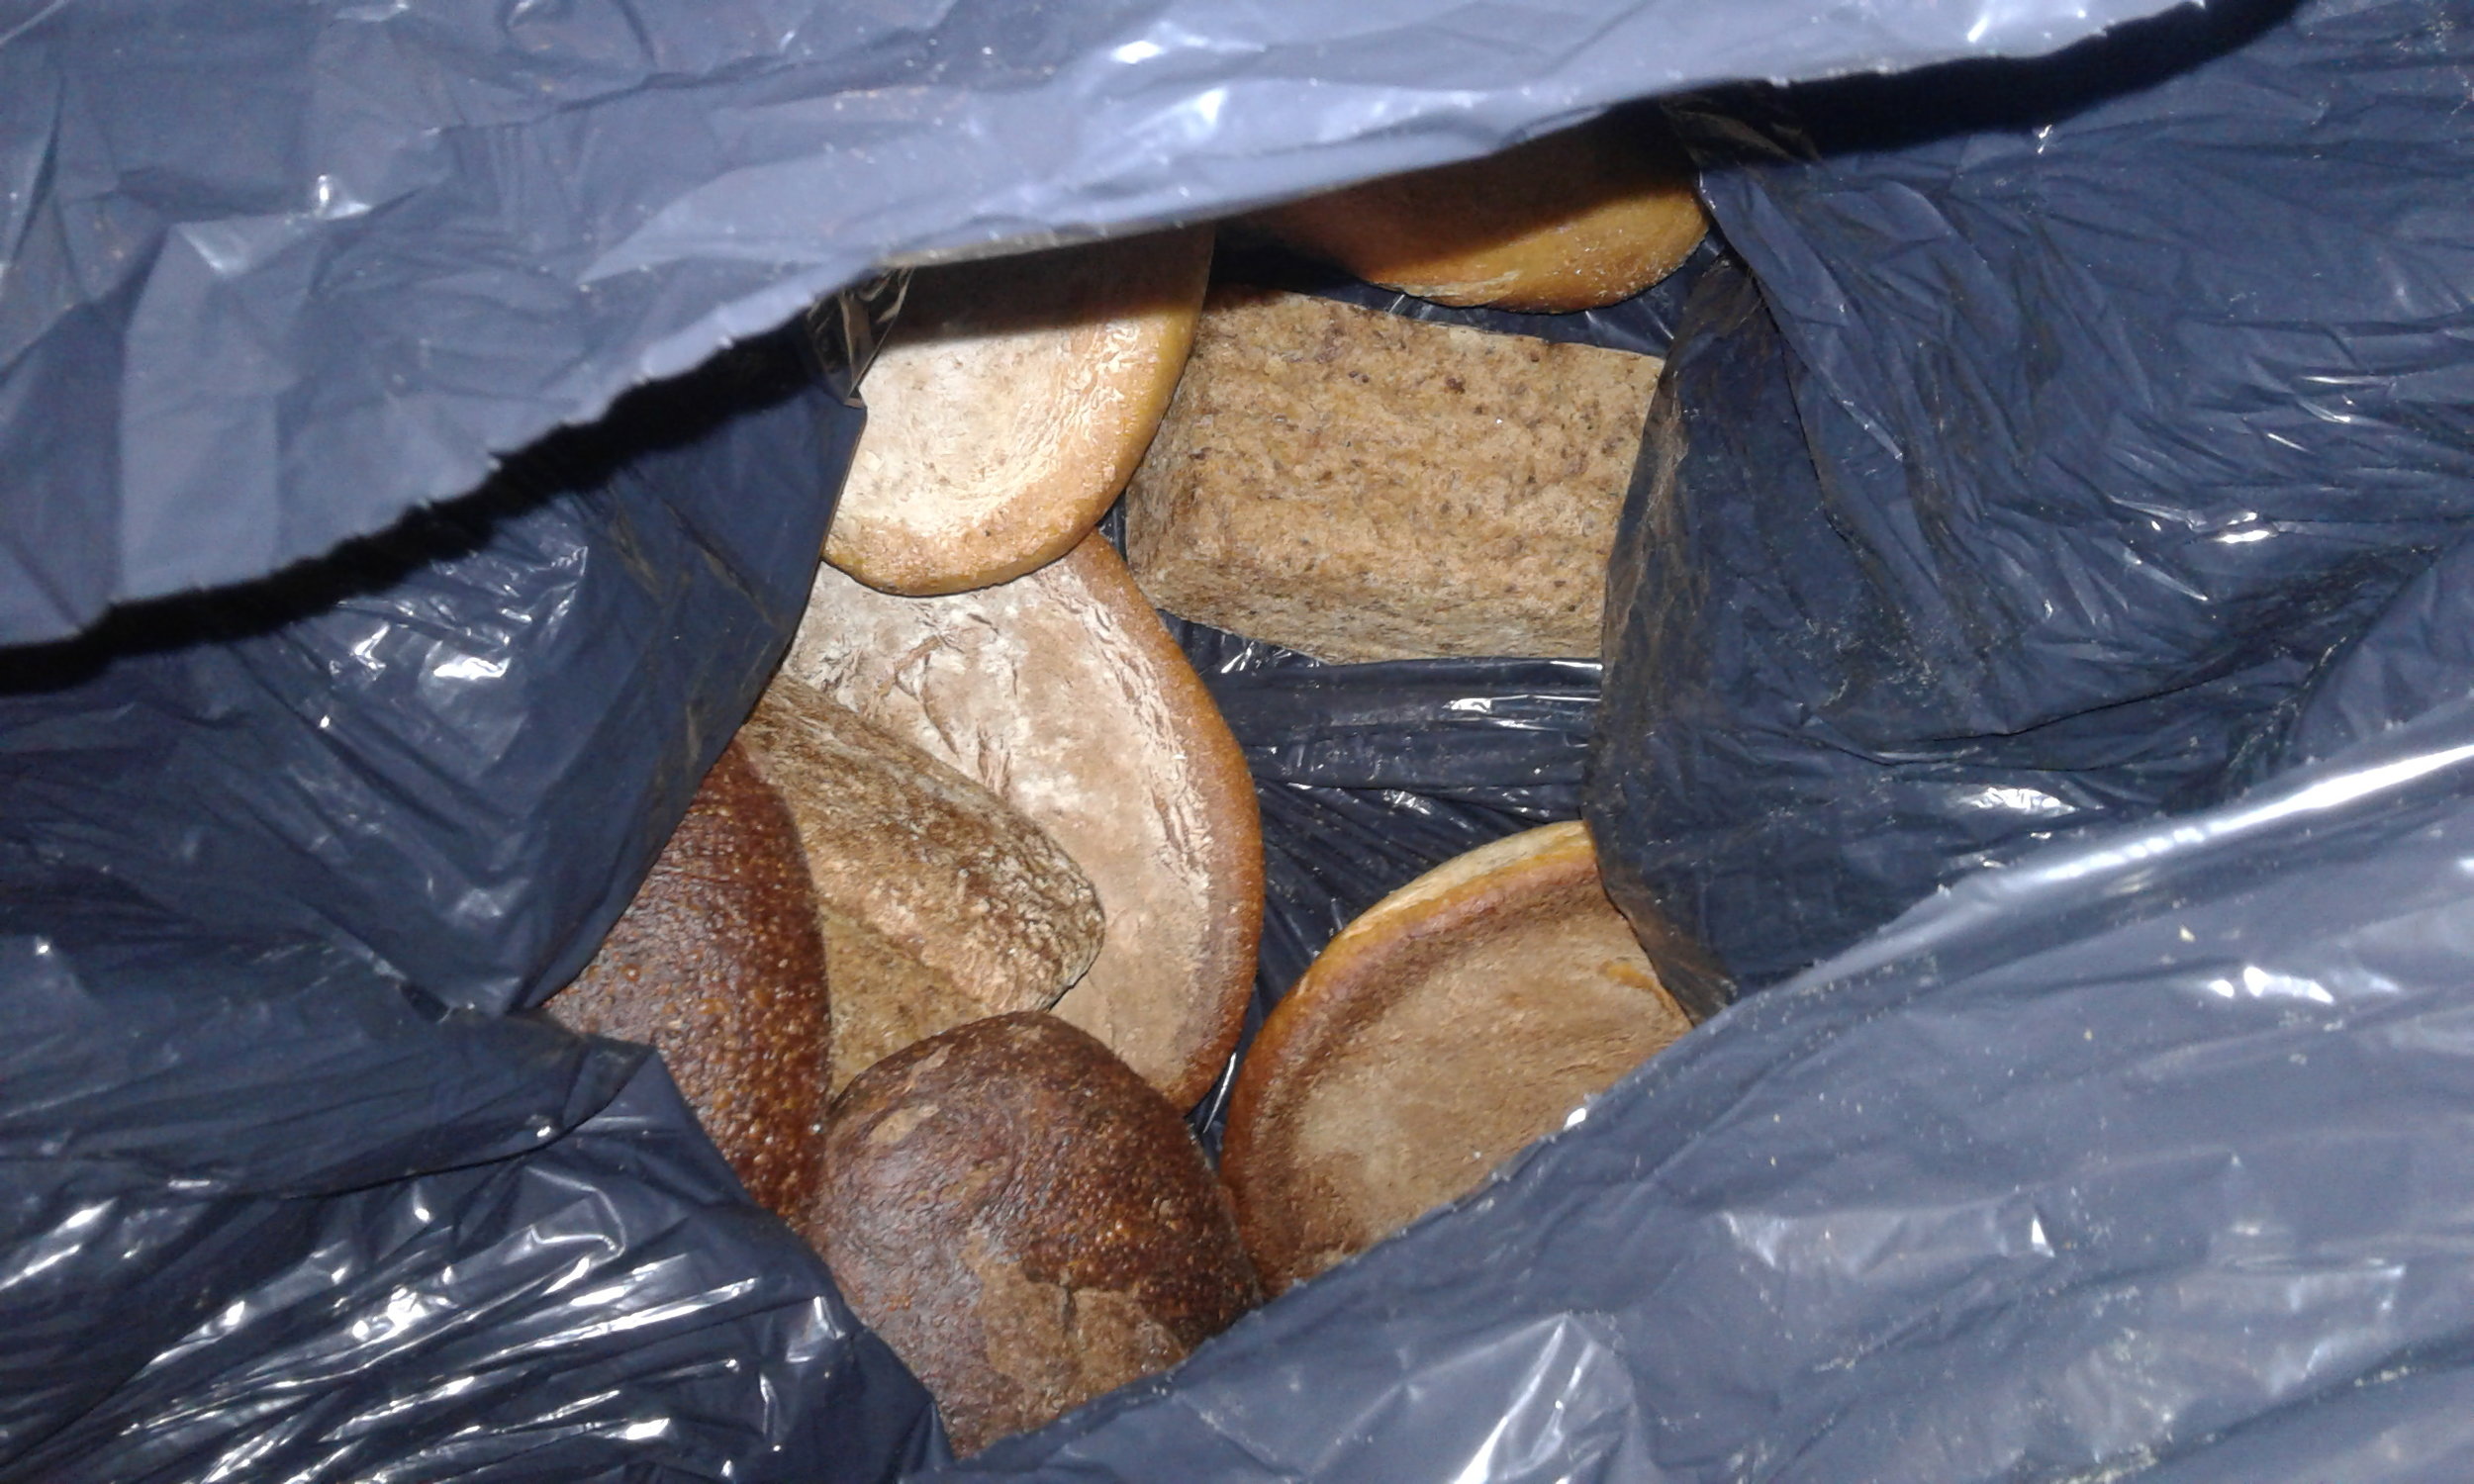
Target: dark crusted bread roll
<point>719,965</point>
<point>1025,1221</point>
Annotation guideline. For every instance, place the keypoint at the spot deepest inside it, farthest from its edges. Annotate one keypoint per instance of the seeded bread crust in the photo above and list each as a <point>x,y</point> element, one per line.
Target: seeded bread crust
<point>718,963</point>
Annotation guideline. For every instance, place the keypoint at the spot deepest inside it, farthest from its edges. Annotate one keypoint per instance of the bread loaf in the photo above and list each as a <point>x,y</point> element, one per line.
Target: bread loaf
<point>1024,1220</point>
<point>1572,221</point>
<point>1062,692</point>
<point>1010,402</point>
<point>939,903</point>
<point>1459,1018</point>
<point>717,965</point>
<point>1362,486</point>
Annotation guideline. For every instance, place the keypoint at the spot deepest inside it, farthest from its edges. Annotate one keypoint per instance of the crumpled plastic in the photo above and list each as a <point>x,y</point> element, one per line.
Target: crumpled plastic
<point>2146,1156</point>
<point>2139,1152</point>
<point>286,1191</point>
<point>279,274</point>
<point>1370,774</point>
<point>2072,415</point>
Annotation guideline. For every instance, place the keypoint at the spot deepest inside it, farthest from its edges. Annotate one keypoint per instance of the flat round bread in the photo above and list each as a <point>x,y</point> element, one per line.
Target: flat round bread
<point>1584,217</point>
<point>1062,693</point>
<point>1462,1017</point>
<point>1008,406</point>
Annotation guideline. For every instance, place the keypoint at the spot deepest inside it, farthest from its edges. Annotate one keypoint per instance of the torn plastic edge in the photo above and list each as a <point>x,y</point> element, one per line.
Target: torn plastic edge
<point>846,331</point>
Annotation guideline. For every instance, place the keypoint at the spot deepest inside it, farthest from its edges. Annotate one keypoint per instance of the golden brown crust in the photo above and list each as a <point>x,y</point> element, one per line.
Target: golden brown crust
<point>1457,1020</point>
<point>1012,400</point>
<point>1063,694</point>
<point>1579,218</point>
<point>941,903</point>
<point>1024,1220</point>
<point>719,965</point>
<point>1361,486</point>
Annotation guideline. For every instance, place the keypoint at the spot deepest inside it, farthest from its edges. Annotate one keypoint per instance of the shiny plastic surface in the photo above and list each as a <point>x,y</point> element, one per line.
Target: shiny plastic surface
<point>2147,1157</point>
<point>279,273</point>
<point>2146,1152</point>
<point>284,1191</point>
<point>603,1309</point>
<point>2072,416</point>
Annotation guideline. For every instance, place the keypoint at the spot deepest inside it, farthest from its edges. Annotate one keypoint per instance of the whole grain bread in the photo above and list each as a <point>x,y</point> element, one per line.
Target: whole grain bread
<point>1010,402</point>
<point>1024,1220</point>
<point>939,902</point>
<point>1062,692</point>
<point>1457,1020</point>
<point>1363,486</point>
<point>719,965</point>
<point>1582,217</point>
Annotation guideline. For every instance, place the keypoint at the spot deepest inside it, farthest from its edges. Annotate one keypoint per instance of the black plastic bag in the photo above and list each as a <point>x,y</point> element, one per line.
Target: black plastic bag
<point>2073,414</point>
<point>287,1191</point>
<point>2142,1153</point>
<point>2148,1157</point>
<point>280,273</point>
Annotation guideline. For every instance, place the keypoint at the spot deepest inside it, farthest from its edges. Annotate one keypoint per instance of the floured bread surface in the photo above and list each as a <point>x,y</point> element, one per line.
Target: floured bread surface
<point>1062,692</point>
<point>1009,404</point>
<point>939,902</point>
<point>1025,1221</point>
<point>1362,486</point>
<point>718,963</point>
<point>1575,219</point>
<point>1459,1019</point>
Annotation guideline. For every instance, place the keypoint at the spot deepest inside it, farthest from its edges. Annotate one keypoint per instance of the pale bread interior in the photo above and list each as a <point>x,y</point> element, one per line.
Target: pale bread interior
<point>1363,486</point>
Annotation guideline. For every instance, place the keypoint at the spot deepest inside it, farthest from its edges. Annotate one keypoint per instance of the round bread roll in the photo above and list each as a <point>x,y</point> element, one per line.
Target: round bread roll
<point>940,905</point>
<point>1024,1220</point>
<point>1459,1018</point>
<point>1579,218</point>
<point>717,965</point>
<point>1063,694</point>
<point>1010,402</point>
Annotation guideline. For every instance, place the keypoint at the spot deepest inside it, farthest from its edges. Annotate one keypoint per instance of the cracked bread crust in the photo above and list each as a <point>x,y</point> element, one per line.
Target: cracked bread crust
<point>1063,694</point>
<point>939,902</point>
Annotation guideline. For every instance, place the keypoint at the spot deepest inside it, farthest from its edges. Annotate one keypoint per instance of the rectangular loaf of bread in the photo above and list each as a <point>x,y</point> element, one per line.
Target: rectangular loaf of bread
<point>1361,486</point>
